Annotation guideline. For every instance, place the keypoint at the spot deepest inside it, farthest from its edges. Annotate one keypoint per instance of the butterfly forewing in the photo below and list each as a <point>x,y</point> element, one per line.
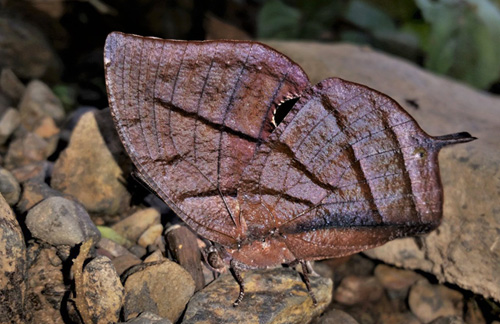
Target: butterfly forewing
<point>343,172</point>
<point>191,115</point>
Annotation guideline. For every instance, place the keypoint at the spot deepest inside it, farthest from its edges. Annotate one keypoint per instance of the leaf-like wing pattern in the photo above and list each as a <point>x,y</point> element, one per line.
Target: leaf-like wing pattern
<point>347,169</point>
<point>191,115</point>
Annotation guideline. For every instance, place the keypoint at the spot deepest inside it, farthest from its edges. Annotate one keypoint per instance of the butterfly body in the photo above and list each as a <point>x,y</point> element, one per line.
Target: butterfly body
<point>347,169</point>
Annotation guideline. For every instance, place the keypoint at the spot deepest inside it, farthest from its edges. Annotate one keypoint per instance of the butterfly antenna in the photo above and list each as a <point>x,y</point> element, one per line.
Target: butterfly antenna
<point>227,206</point>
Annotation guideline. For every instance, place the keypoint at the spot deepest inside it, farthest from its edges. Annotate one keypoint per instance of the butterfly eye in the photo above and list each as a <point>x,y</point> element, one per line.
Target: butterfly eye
<point>420,153</point>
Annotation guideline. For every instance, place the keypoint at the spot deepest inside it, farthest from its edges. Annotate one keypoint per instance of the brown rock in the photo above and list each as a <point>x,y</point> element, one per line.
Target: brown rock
<point>163,289</point>
<point>134,225</point>
<point>9,187</point>
<point>12,267</point>
<point>148,318</point>
<point>183,245</point>
<point>429,302</point>
<point>38,102</point>
<point>9,121</point>
<point>355,290</point>
<point>35,191</point>
<point>27,149</point>
<point>397,318</point>
<point>150,235</point>
<point>113,248</point>
<point>465,250</point>
<point>272,296</point>
<point>103,290</point>
<point>124,262</point>
<point>36,171</point>
<point>87,171</point>
<point>11,85</point>
<point>45,285</point>
<point>396,279</point>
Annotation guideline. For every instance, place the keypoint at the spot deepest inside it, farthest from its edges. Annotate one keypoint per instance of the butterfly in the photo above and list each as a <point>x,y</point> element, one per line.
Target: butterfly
<point>271,169</point>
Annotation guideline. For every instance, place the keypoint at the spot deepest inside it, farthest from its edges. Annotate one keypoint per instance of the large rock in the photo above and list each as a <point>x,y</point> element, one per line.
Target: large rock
<point>88,171</point>
<point>12,266</point>
<point>465,250</point>
<point>271,296</point>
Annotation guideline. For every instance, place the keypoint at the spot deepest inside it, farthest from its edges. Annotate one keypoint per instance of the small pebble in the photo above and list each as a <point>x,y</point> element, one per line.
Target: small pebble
<point>27,149</point>
<point>134,225</point>
<point>38,171</point>
<point>396,279</point>
<point>336,316</point>
<point>147,318</point>
<point>163,289</point>
<point>124,262</point>
<point>449,320</point>
<point>355,290</point>
<point>59,221</point>
<point>39,101</point>
<point>11,85</point>
<point>33,192</point>
<point>150,235</point>
<point>103,291</point>
<point>9,187</point>
<point>9,122</point>
<point>429,302</point>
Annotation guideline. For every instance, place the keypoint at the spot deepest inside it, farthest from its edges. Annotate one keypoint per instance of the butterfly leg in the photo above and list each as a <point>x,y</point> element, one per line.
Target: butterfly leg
<point>305,273</point>
<point>236,271</point>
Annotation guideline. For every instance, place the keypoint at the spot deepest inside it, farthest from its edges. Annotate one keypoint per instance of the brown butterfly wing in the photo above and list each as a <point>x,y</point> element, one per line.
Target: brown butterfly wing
<point>191,114</point>
<point>347,169</point>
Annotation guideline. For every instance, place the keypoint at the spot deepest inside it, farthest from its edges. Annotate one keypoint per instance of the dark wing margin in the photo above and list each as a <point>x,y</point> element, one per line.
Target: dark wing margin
<point>191,115</point>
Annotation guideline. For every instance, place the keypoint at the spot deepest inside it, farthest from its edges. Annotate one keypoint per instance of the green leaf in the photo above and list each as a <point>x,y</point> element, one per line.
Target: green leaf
<point>368,17</point>
<point>111,234</point>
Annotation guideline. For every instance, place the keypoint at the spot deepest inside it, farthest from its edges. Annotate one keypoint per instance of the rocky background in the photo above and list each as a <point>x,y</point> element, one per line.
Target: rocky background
<point>82,241</point>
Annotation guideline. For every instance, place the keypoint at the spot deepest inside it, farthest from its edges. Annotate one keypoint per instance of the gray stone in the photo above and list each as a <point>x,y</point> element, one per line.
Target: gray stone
<point>272,296</point>
<point>9,121</point>
<point>465,250</point>
<point>162,288</point>
<point>33,192</point>
<point>12,266</point>
<point>9,187</point>
<point>59,221</point>
<point>87,170</point>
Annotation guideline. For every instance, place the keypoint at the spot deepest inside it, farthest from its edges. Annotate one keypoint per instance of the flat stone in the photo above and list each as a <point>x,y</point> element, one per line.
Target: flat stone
<point>103,291</point>
<point>272,296</point>
<point>162,289</point>
<point>134,225</point>
<point>465,250</point>
<point>9,121</point>
<point>9,187</point>
<point>12,266</point>
<point>429,302</point>
<point>59,221</point>
<point>11,85</point>
<point>87,171</point>
<point>39,101</point>
<point>124,262</point>
<point>355,290</point>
